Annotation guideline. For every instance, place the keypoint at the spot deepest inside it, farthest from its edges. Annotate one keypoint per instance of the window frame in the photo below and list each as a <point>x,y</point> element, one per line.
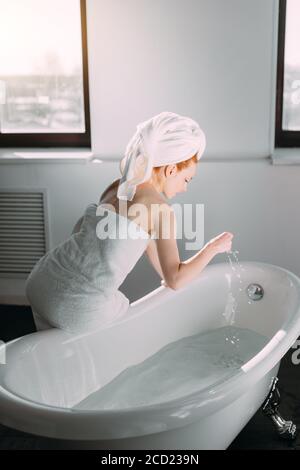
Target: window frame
<point>283,138</point>
<point>60,139</point>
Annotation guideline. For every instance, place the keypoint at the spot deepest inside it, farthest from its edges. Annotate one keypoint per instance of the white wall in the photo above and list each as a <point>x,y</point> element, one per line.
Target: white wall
<point>210,60</point>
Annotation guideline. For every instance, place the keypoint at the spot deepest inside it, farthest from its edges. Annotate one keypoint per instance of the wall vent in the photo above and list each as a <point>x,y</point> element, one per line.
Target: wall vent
<point>23,231</point>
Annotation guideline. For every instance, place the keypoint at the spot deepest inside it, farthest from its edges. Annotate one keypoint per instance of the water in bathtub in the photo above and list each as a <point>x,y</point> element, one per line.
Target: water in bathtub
<point>179,368</point>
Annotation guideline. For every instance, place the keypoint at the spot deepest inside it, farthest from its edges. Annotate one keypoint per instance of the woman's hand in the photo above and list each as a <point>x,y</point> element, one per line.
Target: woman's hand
<point>222,243</point>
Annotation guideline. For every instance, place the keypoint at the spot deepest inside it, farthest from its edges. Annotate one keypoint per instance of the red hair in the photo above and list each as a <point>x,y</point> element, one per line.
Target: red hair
<point>181,165</point>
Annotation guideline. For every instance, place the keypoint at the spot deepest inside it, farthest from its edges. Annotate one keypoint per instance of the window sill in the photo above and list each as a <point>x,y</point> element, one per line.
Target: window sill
<point>286,156</point>
<point>70,155</point>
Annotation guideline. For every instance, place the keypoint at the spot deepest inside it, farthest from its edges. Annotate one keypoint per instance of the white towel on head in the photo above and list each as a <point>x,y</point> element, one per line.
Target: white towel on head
<point>164,139</point>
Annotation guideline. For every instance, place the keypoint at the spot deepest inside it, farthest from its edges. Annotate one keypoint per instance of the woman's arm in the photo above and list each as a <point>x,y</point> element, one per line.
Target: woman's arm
<point>151,252</point>
<point>176,273</point>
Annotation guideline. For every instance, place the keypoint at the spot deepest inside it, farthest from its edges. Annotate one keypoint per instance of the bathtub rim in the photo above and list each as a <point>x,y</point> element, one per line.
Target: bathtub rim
<point>165,290</point>
<point>194,405</point>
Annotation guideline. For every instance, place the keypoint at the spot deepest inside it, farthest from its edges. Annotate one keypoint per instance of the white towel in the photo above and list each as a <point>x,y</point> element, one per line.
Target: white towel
<point>164,139</point>
<point>75,286</point>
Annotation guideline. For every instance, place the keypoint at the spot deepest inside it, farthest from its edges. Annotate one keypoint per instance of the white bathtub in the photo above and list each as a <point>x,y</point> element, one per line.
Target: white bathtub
<point>48,372</point>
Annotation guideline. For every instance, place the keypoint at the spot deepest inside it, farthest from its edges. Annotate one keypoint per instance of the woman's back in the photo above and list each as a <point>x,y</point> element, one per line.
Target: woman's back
<point>140,208</point>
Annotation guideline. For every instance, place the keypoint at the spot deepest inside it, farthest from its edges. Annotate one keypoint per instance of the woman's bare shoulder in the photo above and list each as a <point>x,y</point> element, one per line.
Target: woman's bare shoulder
<point>147,207</point>
<point>149,196</point>
<point>145,196</point>
<point>110,191</point>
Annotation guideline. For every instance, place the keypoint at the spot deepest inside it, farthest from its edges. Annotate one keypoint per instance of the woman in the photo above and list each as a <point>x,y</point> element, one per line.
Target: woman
<point>75,285</point>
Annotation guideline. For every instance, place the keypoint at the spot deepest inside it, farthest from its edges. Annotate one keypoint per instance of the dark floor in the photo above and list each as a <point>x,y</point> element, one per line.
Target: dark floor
<point>16,321</point>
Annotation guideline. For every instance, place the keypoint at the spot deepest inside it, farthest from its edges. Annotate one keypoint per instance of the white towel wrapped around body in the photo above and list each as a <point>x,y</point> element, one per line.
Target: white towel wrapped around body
<point>75,285</point>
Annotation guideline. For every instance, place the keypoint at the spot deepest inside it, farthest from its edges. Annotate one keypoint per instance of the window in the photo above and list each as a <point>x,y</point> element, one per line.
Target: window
<point>44,100</point>
<point>288,75</point>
